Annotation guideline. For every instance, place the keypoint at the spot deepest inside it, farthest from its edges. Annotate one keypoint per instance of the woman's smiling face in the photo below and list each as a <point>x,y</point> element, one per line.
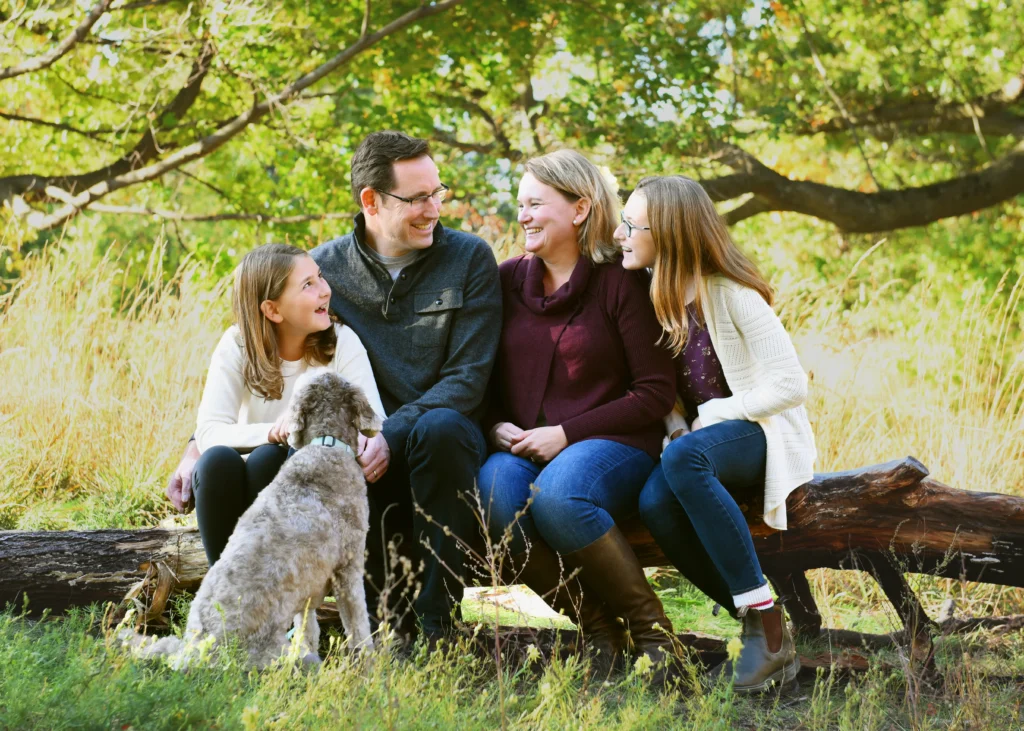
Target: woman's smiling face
<point>547,218</point>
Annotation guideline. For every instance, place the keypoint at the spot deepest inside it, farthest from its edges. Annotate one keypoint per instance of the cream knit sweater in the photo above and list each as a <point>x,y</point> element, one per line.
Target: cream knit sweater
<point>768,386</point>
<point>232,416</point>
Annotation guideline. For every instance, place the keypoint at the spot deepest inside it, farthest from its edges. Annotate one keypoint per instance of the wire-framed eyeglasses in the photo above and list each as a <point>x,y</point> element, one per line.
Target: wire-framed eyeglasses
<point>630,227</point>
<point>437,196</point>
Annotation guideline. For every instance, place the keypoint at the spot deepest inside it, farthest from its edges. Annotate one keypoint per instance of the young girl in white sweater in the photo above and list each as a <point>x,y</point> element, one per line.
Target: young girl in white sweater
<point>283,329</point>
<point>740,426</point>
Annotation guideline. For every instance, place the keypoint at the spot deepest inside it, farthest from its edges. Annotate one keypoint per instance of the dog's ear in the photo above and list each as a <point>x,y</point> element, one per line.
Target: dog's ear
<point>297,413</point>
<point>369,422</point>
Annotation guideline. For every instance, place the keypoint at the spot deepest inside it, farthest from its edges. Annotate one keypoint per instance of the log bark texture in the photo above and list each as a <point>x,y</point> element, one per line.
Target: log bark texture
<point>887,519</point>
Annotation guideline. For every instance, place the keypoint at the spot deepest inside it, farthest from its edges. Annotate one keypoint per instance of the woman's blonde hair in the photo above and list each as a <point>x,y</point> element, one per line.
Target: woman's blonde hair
<point>262,275</point>
<point>575,177</point>
<point>691,243</point>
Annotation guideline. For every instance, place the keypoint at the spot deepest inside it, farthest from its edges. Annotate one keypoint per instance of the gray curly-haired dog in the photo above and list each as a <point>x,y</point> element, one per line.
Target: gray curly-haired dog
<point>305,530</point>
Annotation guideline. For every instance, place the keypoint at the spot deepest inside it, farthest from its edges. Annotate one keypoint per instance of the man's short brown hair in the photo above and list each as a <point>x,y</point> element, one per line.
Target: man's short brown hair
<point>373,163</point>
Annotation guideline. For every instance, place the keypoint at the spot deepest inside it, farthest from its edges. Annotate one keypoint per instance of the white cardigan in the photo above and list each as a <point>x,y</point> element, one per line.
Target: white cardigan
<point>232,416</point>
<point>768,386</point>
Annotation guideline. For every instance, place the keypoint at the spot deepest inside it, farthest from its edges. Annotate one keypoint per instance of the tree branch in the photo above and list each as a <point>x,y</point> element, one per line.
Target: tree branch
<point>146,148</point>
<point>94,134</point>
<point>48,59</point>
<point>501,140</point>
<point>748,209</point>
<point>211,217</point>
<point>226,132</point>
<point>991,114</point>
<point>839,103</point>
<point>857,212</point>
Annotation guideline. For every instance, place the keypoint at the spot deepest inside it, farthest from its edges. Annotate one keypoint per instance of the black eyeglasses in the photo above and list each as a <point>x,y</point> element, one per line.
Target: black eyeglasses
<point>630,228</point>
<point>437,196</point>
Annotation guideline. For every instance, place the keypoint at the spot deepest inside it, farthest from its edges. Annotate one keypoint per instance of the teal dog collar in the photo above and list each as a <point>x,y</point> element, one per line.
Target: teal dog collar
<point>333,442</point>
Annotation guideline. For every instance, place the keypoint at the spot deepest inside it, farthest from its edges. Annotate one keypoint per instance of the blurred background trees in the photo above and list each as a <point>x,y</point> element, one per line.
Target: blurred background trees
<point>215,125</point>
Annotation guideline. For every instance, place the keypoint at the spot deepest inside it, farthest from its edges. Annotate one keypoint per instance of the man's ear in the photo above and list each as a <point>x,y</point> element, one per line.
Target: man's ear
<point>270,311</point>
<point>368,199</point>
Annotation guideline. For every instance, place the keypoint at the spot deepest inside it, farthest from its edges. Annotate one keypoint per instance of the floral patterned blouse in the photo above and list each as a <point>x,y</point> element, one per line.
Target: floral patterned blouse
<point>699,373</point>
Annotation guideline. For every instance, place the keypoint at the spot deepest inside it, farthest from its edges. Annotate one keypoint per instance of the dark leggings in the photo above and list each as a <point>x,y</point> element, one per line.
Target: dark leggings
<point>225,485</point>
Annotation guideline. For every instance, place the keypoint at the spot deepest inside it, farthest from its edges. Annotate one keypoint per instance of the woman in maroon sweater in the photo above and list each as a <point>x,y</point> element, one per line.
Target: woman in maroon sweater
<point>579,391</point>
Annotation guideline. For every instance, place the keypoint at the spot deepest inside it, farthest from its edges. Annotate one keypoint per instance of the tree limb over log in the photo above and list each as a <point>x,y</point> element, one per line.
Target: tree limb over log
<point>51,57</point>
<point>856,212</point>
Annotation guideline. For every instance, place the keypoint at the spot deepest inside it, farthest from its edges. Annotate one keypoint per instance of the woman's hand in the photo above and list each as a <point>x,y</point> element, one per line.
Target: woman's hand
<point>503,433</point>
<point>696,425</point>
<point>279,432</point>
<point>542,444</point>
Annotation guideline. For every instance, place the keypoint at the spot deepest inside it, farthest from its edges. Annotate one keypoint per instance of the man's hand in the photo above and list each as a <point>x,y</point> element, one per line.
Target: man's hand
<point>279,432</point>
<point>374,456</point>
<point>179,489</point>
<point>541,444</point>
<point>503,433</point>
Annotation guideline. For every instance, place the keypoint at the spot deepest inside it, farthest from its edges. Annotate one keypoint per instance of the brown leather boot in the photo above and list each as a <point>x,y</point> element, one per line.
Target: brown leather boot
<point>603,636</point>
<point>609,568</point>
<point>768,656</point>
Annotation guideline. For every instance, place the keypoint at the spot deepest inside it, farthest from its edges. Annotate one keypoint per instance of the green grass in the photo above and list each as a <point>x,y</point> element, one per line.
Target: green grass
<point>67,673</point>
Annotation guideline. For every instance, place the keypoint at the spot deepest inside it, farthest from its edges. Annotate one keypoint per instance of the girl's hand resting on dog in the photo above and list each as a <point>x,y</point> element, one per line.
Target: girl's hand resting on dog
<point>279,432</point>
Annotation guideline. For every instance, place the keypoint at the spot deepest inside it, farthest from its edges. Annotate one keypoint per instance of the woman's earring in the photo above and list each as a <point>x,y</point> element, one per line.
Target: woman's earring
<point>575,222</point>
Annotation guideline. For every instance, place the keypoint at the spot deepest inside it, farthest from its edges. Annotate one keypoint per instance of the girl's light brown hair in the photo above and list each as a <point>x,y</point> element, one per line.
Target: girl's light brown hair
<point>691,243</point>
<point>575,177</point>
<point>262,275</point>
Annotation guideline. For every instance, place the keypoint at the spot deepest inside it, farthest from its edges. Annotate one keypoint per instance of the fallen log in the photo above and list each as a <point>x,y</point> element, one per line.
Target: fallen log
<point>888,519</point>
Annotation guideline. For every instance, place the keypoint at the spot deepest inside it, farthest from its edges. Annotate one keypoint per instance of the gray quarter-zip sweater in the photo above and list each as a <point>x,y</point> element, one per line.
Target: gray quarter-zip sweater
<point>431,334</point>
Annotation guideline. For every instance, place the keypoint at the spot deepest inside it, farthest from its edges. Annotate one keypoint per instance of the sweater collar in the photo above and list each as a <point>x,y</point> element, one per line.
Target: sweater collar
<point>359,234</point>
<point>561,299</point>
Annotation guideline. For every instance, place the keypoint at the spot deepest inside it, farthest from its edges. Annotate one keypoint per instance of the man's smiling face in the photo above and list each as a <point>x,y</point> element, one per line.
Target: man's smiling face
<point>395,227</point>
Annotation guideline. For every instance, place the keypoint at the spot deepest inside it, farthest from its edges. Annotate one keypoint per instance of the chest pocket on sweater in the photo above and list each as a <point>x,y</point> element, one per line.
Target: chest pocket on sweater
<point>434,312</point>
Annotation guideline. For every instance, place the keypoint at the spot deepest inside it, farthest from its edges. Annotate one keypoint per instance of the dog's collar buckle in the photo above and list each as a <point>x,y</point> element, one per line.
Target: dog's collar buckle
<point>329,441</point>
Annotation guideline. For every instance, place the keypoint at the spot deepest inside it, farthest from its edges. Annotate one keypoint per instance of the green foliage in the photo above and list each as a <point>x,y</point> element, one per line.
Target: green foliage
<point>644,87</point>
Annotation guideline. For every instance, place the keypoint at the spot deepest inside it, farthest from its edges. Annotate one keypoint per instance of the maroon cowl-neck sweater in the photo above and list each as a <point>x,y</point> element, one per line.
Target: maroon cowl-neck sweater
<point>584,357</point>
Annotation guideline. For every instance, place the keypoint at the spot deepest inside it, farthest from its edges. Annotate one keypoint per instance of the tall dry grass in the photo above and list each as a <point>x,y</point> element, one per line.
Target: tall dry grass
<point>99,387</point>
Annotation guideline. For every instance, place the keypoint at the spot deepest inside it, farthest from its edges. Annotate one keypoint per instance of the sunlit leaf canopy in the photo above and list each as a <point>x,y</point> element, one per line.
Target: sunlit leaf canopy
<point>872,100</point>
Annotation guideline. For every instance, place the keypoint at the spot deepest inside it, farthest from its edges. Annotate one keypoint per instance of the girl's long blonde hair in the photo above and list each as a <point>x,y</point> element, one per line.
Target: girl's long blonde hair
<point>691,243</point>
<point>576,177</point>
<point>262,275</point>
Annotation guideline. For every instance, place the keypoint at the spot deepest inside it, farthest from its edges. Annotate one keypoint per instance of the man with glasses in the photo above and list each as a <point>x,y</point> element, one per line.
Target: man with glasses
<point>426,302</point>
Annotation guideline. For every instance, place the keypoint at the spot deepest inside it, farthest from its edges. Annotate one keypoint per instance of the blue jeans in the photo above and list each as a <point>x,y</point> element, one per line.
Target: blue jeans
<point>225,485</point>
<point>579,493</point>
<point>436,472</point>
<point>689,508</point>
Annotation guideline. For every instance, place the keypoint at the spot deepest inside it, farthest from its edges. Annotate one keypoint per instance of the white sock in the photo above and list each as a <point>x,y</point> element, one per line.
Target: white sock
<point>759,599</point>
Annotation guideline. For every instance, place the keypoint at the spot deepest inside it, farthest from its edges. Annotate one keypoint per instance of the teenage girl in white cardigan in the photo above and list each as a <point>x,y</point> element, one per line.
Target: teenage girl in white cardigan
<point>740,426</point>
<point>283,329</point>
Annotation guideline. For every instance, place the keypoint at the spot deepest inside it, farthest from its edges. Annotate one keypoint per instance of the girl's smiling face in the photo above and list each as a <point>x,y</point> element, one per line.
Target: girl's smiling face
<point>302,306</point>
<point>636,243</point>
